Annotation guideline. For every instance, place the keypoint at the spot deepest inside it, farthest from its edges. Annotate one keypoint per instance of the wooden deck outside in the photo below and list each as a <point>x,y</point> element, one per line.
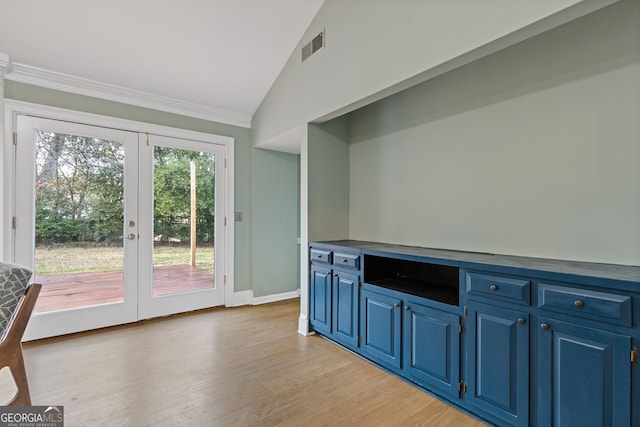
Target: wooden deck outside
<point>85,289</point>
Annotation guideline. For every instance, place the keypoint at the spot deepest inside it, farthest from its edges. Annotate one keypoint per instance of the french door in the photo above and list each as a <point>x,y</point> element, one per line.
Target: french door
<point>118,226</point>
<point>182,226</point>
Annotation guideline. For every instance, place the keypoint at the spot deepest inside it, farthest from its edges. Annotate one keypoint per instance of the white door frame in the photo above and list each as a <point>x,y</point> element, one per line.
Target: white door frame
<point>153,306</point>
<point>59,322</point>
<point>8,166</point>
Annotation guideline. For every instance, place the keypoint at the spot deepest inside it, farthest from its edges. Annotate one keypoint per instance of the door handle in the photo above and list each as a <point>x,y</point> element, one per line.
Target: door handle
<point>131,236</point>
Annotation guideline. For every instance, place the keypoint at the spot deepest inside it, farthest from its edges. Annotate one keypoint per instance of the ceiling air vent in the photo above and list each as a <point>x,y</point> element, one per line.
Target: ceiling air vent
<point>313,46</point>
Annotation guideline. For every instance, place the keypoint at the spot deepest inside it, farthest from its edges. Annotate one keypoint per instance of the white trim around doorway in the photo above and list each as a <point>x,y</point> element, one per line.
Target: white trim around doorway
<point>14,108</point>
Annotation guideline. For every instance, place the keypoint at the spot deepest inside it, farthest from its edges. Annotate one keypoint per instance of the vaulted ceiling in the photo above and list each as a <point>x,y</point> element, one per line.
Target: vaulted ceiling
<point>213,55</point>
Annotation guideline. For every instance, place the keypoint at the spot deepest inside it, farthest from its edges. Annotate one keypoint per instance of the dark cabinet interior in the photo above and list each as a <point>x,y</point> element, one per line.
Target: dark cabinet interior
<point>432,281</point>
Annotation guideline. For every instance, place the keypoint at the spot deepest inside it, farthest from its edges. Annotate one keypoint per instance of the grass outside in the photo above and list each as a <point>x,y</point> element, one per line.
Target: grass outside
<point>68,259</point>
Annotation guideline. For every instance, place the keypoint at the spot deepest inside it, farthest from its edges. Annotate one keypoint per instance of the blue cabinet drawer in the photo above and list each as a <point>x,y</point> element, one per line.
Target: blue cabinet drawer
<point>320,255</point>
<point>601,306</point>
<point>346,260</point>
<point>498,287</point>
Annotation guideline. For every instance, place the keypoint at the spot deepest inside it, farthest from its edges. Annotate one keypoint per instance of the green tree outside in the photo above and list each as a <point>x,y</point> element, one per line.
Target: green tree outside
<point>79,191</point>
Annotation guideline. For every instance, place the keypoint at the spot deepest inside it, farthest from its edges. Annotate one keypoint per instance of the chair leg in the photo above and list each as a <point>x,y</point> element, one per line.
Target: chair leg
<point>22,397</point>
<point>11,347</point>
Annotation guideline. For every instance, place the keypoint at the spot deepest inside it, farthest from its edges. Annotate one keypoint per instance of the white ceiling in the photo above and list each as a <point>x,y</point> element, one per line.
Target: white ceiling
<point>218,54</point>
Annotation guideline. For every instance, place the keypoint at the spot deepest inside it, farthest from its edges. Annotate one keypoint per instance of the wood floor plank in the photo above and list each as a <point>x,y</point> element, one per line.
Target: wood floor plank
<point>243,366</point>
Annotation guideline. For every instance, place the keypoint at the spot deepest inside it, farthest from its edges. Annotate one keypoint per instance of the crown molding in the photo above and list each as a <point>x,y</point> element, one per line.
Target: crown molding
<point>64,82</point>
<point>5,63</point>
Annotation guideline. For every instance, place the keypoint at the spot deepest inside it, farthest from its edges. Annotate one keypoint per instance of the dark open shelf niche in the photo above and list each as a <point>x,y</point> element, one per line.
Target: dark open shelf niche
<point>431,281</point>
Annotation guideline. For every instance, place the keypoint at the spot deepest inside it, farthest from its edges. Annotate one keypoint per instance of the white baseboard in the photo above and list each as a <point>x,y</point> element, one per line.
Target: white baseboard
<point>241,298</point>
<point>246,298</point>
<point>303,326</point>
<point>276,297</point>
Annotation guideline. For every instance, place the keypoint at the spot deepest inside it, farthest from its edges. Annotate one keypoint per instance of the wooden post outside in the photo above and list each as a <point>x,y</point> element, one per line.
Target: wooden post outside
<point>193,214</point>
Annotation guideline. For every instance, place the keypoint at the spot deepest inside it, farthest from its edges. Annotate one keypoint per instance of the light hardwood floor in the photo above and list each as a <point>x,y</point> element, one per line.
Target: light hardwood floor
<point>243,366</point>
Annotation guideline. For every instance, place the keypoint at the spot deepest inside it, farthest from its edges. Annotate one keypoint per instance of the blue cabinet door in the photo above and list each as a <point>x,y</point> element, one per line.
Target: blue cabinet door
<point>498,362</point>
<point>584,376</point>
<point>431,347</point>
<point>345,307</point>
<point>320,299</point>
<point>380,328</point>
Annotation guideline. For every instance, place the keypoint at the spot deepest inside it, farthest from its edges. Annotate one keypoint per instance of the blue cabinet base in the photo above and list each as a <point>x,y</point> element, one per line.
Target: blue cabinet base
<point>517,342</point>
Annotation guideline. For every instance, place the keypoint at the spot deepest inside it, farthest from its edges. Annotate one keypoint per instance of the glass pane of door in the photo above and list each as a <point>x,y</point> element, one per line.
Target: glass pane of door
<point>183,220</point>
<point>182,231</point>
<point>79,196</point>
<point>76,193</point>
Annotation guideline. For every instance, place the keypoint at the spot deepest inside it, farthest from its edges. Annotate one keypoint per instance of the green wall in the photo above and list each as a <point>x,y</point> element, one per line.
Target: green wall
<point>328,146</point>
<point>242,177</point>
<point>531,151</point>
<point>275,222</point>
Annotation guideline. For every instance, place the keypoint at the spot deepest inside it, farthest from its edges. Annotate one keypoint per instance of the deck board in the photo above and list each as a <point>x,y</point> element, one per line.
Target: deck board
<point>101,287</point>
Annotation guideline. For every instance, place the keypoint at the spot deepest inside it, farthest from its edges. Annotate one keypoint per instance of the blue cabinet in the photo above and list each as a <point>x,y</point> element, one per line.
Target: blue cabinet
<point>513,341</point>
<point>320,301</point>
<point>380,328</point>
<point>334,290</point>
<point>410,336</point>
<point>345,307</point>
<point>431,347</point>
<point>498,362</point>
<point>583,376</point>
